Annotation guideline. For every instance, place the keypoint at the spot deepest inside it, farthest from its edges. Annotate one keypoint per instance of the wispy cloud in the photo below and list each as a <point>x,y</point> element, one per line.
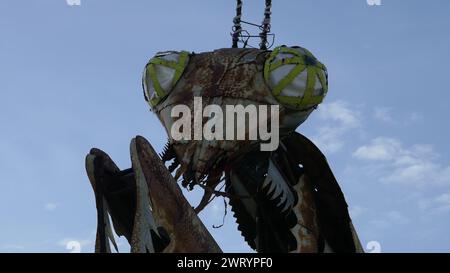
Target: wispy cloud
<point>390,218</point>
<point>383,114</point>
<point>443,199</point>
<point>389,116</point>
<point>50,206</point>
<point>414,117</point>
<point>356,211</point>
<point>337,120</point>
<point>416,165</point>
<point>397,217</point>
<point>380,149</point>
<point>438,204</point>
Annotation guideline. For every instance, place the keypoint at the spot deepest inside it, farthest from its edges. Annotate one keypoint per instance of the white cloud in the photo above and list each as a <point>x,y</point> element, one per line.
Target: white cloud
<point>443,199</point>
<point>397,218</point>
<point>386,115</point>
<point>356,211</point>
<point>383,114</point>
<point>337,120</point>
<point>391,218</point>
<point>379,223</point>
<point>73,2</point>
<point>413,118</point>
<point>379,149</point>
<point>415,165</point>
<point>339,112</point>
<point>50,206</point>
<point>441,203</point>
<point>438,204</point>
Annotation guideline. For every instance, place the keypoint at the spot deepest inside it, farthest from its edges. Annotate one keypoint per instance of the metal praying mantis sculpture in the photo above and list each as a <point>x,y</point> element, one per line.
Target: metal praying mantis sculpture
<point>285,200</point>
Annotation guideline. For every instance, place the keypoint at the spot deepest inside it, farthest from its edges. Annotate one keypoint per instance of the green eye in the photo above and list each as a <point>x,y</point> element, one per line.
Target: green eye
<point>296,78</point>
<point>162,73</point>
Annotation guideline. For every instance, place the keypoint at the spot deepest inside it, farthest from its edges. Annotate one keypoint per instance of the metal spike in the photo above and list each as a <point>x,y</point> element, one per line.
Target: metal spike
<point>266,182</point>
<point>168,152</point>
<point>289,205</point>
<point>164,151</point>
<point>284,204</point>
<point>277,192</point>
<point>273,188</point>
<point>270,185</point>
<point>282,201</point>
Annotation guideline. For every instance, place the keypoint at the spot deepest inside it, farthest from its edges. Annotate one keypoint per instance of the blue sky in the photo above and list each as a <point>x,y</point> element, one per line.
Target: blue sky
<point>70,80</point>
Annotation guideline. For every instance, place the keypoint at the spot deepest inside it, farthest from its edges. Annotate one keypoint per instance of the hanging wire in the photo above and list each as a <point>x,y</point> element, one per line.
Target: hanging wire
<point>237,23</point>
<point>265,25</point>
<point>241,35</point>
<point>225,207</point>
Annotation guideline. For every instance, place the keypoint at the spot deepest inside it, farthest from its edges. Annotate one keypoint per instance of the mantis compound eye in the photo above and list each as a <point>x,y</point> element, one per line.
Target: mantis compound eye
<point>296,78</point>
<point>162,73</point>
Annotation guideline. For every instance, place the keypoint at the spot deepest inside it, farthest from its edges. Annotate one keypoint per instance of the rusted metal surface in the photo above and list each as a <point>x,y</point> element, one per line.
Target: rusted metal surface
<point>332,210</point>
<point>144,220</point>
<point>156,202</point>
<point>285,207</point>
<point>281,206</point>
<point>224,73</point>
<point>170,208</point>
<point>321,210</point>
<point>98,165</point>
<point>306,231</point>
<point>222,77</point>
